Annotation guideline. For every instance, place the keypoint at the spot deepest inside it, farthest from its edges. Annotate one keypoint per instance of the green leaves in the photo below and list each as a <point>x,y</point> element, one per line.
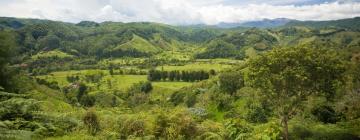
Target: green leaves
<point>289,75</point>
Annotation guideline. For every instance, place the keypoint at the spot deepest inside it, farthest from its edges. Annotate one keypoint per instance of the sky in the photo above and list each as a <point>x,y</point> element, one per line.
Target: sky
<point>179,12</point>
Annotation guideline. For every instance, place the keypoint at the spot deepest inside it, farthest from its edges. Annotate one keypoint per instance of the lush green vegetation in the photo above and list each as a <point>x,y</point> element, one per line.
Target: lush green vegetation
<point>153,81</point>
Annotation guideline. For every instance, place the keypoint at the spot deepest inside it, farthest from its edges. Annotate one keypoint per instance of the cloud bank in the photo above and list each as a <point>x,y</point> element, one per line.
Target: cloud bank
<point>179,11</point>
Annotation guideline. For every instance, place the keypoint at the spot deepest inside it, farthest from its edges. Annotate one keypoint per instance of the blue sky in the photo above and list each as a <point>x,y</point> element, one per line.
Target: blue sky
<point>180,11</point>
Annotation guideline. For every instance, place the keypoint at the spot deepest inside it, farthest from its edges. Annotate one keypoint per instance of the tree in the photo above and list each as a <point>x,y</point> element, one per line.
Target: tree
<point>171,75</point>
<point>288,75</point>
<point>154,75</point>
<point>230,82</point>
<point>164,75</point>
<point>7,47</point>
<point>49,42</point>
<point>177,76</point>
<point>81,91</point>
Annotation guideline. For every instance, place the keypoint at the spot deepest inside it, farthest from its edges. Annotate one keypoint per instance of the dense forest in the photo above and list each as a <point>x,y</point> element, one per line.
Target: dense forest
<point>145,80</point>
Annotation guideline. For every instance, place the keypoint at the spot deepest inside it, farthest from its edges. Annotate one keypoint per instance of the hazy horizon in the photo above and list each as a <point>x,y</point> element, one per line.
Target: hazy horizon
<point>181,12</point>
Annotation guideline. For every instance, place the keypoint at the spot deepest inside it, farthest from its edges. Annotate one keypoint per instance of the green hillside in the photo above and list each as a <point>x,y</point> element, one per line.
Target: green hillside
<point>139,44</point>
<point>351,23</point>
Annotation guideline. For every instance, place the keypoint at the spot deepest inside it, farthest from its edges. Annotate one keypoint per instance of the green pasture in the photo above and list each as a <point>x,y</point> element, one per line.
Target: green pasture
<point>196,66</point>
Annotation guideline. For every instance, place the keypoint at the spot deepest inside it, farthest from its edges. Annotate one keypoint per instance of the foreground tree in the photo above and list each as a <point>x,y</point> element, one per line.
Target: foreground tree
<point>287,76</point>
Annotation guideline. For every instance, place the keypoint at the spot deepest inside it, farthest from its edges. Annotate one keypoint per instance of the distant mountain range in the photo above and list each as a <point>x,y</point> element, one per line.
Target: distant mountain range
<point>265,23</point>
<point>349,23</point>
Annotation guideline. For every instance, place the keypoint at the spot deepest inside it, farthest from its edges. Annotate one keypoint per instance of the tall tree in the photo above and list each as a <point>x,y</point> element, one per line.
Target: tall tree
<point>7,48</point>
<point>288,75</point>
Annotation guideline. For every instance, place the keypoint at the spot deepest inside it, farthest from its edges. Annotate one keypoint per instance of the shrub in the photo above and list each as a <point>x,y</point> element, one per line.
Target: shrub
<point>162,123</point>
<point>131,126</point>
<point>237,129</point>
<point>325,114</point>
<point>230,82</point>
<point>190,100</point>
<point>88,101</point>
<point>145,86</point>
<point>177,98</point>
<point>137,99</point>
<point>256,114</point>
<point>91,122</point>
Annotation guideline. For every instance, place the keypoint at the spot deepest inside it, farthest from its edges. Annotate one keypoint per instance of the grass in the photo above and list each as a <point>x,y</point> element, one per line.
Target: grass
<point>139,44</point>
<point>169,55</point>
<point>54,53</point>
<point>121,82</point>
<point>60,76</point>
<point>171,85</point>
<point>196,66</point>
<point>124,61</point>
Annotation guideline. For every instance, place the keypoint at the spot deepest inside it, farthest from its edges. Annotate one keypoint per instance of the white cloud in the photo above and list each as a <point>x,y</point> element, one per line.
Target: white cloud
<point>177,11</point>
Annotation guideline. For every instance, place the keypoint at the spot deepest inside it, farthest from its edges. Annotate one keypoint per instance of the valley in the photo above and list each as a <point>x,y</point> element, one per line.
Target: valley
<point>145,80</point>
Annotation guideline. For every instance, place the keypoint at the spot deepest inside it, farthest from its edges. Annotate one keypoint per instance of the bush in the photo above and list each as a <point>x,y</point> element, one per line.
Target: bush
<point>190,100</point>
<point>230,82</point>
<point>137,99</point>
<point>144,87</point>
<point>88,101</point>
<point>177,98</point>
<point>321,132</point>
<point>131,126</point>
<point>91,122</point>
<point>237,129</point>
<point>256,114</point>
<point>325,114</point>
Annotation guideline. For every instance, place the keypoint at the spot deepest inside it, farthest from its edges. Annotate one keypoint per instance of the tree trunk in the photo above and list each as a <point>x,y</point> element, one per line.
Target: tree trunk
<point>286,129</point>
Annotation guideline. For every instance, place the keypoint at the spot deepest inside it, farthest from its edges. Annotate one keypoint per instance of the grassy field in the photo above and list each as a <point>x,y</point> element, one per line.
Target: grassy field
<point>121,82</point>
<point>55,53</point>
<point>60,76</point>
<point>123,61</point>
<point>139,44</point>
<point>196,66</point>
<point>174,55</point>
<point>171,85</point>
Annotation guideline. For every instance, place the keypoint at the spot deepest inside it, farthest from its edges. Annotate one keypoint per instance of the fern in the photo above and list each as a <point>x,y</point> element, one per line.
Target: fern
<point>6,95</point>
<point>15,134</point>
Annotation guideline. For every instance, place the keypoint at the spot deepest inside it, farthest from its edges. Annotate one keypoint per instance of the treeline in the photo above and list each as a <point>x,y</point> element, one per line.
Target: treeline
<point>187,76</point>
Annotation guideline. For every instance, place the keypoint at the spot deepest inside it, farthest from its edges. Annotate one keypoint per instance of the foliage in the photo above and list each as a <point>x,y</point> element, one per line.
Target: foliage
<point>230,82</point>
<point>91,121</point>
<point>326,114</point>
<point>131,126</point>
<point>289,75</point>
<point>218,49</point>
<point>238,130</point>
<point>187,76</point>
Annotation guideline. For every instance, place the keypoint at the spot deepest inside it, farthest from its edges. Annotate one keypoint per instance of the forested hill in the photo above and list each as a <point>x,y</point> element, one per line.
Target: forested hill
<point>109,39</point>
<point>351,23</point>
